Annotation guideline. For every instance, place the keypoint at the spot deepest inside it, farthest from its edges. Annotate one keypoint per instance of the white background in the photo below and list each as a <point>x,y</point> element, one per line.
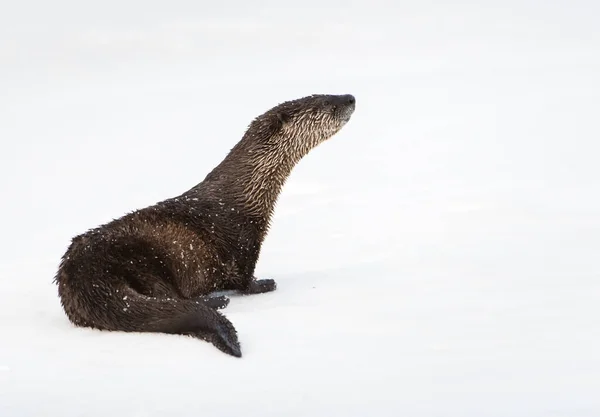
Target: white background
<point>438,257</point>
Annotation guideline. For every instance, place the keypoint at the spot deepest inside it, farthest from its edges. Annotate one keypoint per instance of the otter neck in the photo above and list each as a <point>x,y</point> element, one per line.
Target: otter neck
<point>253,177</point>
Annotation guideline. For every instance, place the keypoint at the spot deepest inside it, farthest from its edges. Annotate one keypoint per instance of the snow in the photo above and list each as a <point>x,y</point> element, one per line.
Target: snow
<point>437,257</point>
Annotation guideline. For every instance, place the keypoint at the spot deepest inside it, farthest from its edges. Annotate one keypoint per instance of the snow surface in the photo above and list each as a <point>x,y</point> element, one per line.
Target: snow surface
<point>438,257</point>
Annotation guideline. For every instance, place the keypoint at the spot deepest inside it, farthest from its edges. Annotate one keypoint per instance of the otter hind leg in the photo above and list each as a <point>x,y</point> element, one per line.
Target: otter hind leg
<point>217,302</point>
<point>260,286</point>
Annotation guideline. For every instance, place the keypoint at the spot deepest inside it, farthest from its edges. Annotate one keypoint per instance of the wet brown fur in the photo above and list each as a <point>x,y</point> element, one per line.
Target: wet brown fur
<point>153,269</point>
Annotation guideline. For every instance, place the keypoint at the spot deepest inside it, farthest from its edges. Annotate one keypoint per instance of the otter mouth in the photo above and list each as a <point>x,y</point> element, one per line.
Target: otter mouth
<point>346,113</point>
<point>345,106</point>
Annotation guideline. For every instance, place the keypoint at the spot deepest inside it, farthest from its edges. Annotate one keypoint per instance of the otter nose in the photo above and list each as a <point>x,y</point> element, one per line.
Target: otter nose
<point>344,100</point>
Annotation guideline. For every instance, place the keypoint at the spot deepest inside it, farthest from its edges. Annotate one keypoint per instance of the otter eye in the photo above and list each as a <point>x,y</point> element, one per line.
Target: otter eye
<point>283,117</point>
<point>326,103</point>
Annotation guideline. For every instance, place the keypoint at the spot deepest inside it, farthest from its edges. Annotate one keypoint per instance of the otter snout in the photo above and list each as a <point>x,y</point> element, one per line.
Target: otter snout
<point>344,106</point>
<point>344,100</point>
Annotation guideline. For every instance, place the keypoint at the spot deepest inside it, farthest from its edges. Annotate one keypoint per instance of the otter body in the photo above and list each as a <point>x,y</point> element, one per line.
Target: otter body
<point>153,269</point>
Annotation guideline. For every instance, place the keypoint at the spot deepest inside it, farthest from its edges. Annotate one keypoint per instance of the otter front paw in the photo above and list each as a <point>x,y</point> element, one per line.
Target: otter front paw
<point>259,286</point>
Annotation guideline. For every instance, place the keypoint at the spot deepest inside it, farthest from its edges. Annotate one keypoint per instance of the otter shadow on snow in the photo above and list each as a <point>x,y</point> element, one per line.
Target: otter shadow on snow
<point>152,270</point>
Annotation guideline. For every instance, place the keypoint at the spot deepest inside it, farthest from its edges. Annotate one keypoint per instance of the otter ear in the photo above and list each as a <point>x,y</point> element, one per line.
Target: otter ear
<point>282,117</point>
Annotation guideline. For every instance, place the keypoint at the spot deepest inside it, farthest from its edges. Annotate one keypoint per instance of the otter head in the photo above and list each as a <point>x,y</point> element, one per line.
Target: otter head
<point>294,127</point>
<point>306,122</point>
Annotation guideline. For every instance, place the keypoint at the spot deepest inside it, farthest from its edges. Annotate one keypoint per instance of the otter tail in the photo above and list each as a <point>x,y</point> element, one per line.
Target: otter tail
<point>186,317</point>
<point>121,308</point>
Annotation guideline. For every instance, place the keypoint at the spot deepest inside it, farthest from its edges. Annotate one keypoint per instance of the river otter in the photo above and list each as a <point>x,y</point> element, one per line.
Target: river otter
<point>153,269</point>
